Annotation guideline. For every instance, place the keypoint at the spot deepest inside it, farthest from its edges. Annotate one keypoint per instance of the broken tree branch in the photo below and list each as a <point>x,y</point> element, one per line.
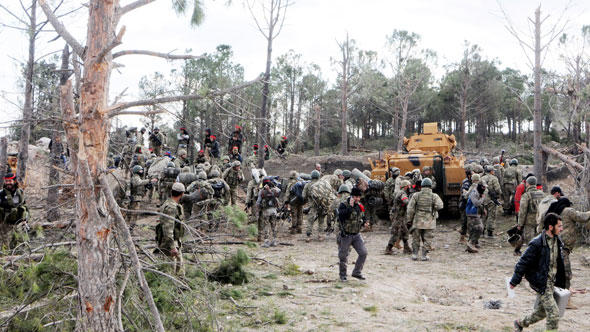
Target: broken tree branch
<point>120,222</point>
<point>61,29</point>
<point>116,42</point>
<point>562,157</point>
<point>134,5</point>
<point>116,109</point>
<point>157,54</point>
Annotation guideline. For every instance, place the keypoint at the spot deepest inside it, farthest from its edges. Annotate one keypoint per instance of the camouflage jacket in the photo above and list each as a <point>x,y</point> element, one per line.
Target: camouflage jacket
<point>499,173</point>
<point>200,184</point>
<point>11,200</point>
<point>390,189</point>
<point>350,182</point>
<point>268,198</point>
<point>252,192</point>
<point>169,232</point>
<point>333,180</point>
<point>431,177</point>
<point>512,175</point>
<point>181,162</point>
<point>287,196</point>
<point>232,177</point>
<point>527,215</point>
<point>570,217</point>
<point>137,187</point>
<point>226,194</point>
<point>156,139</point>
<point>493,187</point>
<point>423,208</point>
<point>400,204</point>
<point>320,194</point>
<point>350,218</point>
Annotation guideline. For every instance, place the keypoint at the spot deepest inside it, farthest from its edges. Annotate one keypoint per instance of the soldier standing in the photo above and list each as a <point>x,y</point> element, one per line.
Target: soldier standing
<point>473,209</point>
<point>491,199</point>
<point>13,208</point>
<point>427,173</point>
<point>205,192</point>
<point>221,195</point>
<point>167,179</point>
<point>140,138</point>
<point>156,140</point>
<point>320,195</point>
<point>542,265</point>
<point>233,176</point>
<point>268,202</point>
<point>169,231</point>
<point>527,215</point>
<point>372,199</point>
<point>350,220</point>
<point>347,178</point>
<point>391,186</point>
<point>422,212</point>
<point>397,214</point>
<point>137,190</point>
<point>512,178</point>
<point>251,197</point>
<point>294,203</point>
<point>465,186</point>
<point>181,160</point>
<point>498,170</point>
<point>225,163</point>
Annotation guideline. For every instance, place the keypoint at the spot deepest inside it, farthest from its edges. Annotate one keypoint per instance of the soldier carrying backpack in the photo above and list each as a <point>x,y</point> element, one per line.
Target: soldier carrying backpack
<point>529,203</point>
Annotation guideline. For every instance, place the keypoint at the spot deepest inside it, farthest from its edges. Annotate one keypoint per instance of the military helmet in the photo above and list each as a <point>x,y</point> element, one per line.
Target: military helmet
<point>408,174</point>
<point>426,168</point>
<point>185,170</point>
<point>405,183</point>
<point>236,163</point>
<point>181,152</point>
<point>484,161</point>
<point>416,171</point>
<point>475,177</point>
<point>394,171</point>
<point>346,173</point>
<point>337,172</point>
<point>137,168</point>
<point>426,182</point>
<point>202,175</point>
<point>156,128</point>
<point>177,186</point>
<point>315,174</point>
<point>478,169</point>
<point>170,164</point>
<point>531,180</point>
<point>292,174</point>
<point>225,158</point>
<point>496,160</point>
<point>367,173</point>
<point>489,168</point>
<point>344,188</point>
<point>514,161</point>
<point>214,173</point>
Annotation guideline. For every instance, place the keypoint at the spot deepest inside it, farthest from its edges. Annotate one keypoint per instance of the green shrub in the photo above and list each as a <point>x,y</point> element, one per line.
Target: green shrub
<point>231,270</point>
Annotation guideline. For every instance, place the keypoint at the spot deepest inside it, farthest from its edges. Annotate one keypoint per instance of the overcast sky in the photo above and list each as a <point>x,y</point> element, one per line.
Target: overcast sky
<point>311,28</point>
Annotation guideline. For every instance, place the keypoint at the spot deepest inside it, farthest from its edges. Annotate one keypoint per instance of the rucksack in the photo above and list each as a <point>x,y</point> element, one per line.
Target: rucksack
<point>171,172</point>
<point>296,193</point>
<point>535,199</point>
<point>321,193</point>
<point>542,208</point>
<point>218,188</point>
<point>470,208</point>
<point>187,178</point>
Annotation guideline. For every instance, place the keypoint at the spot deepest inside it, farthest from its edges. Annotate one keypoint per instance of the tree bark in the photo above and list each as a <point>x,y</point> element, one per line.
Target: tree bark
<point>3,159</point>
<point>263,133</point>
<point>316,135</point>
<point>344,97</point>
<point>402,128</point>
<point>538,158</point>
<point>23,154</point>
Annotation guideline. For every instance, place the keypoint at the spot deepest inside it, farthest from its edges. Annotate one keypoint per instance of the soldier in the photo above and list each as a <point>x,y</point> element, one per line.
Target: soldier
<point>570,218</point>
<point>491,199</point>
<point>416,179</point>
<point>214,148</point>
<point>234,176</point>
<point>294,203</point>
<point>140,137</point>
<point>372,200</point>
<point>268,202</point>
<point>498,170</point>
<point>169,231</point>
<point>282,147</point>
<point>206,191</point>
<point>320,195</point>
<point>391,186</point>
<point>167,179</point>
<point>465,186</point>
<point>478,169</point>
<point>342,195</point>
<point>156,140</point>
<point>542,265</point>
<point>318,168</point>
<point>422,213</point>
<point>137,190</point>
<point>484,162</point>
<point>347,178</point>
<point>251,196</point>
<point>335,179</point>
<point>512,178</point>
<point>225,163</point>
<point>473,209</point>
<point>235,154</point>
<point>427,173</point>
<point>201,158</point>
<point>13,207</point>
<point>528,211</point>
<point>183,139</point>
<point>350,219</point>
<point>397,215</point>
<point>221,195</point>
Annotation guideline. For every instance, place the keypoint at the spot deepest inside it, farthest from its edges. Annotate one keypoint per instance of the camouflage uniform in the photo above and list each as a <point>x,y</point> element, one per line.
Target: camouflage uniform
<point>233,178</point>
<point>569,218</point>
<point>156,143</point>
<point>390,189</point>
<point>422,213</point>
<point>320,195</point>
<point>137,189</point>
<point>166,180</point>
<point>475,225</point>
<point>333,180</point>
<point>429,176</point>
<point>181,162</point>
<point>295,209</point>
<point>268,202</point>
<point>219,198</point>
<point>206,192</point>
<point>499,171</point>
<point>13,208</point>
<point>372,200</point>
<point>350,220</point>
<point>399,228</point>
<point>169,232</point>
<point>494,189</point>
<point>528,212</point>
<point>512,178</point>
<point>465,186</point>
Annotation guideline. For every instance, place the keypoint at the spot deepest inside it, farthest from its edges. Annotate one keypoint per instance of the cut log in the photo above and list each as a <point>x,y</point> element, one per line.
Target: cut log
<point>562,157</point>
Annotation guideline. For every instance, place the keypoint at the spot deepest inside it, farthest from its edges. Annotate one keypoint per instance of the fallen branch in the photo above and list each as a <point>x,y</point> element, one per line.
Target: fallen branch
<point>31,306</point>
<point>157,54</point>
<point>562,157</point>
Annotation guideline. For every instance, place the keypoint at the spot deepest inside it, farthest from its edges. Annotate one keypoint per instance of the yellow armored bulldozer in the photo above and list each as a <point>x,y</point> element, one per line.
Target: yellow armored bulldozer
<point>431,148</point>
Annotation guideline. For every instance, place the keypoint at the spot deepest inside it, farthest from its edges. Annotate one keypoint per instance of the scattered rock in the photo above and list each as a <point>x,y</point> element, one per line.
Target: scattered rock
<point>285,287</point>
<point>309,272</point>
<point>585,261</point>
<point>492,304</point>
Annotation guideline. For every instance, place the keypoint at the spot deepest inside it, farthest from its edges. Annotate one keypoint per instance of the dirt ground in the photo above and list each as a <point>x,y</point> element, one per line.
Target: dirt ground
<point>444,294</point>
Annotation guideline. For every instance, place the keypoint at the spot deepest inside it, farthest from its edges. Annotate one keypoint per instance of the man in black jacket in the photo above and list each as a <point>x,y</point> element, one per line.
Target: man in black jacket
<point>350,217</point>
<point>542,265</point>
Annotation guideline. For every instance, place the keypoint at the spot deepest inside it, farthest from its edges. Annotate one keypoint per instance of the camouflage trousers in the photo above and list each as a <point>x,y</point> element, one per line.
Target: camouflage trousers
<point>507,194</point>
<point>131,216</point>
<point>426,236</point>
<point>463,221</point>
<point>269,227</point>
<point>254,215</point>
<point>344,243</point>
<point>233,196</point>
<point>177,264</point>
<point>371,213</point>
<point>567,265</point>
<point>399,231</point>
<point>164,191</point>
<point>296,217</point>
<point>475,227</point>
<point>546,308</point>
<point>157,150</point>
<point>490,217</point>
<point>316,215</point>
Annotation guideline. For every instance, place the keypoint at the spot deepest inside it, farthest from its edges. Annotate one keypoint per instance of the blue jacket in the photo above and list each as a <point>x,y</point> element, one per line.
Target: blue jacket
<point>534,265</point>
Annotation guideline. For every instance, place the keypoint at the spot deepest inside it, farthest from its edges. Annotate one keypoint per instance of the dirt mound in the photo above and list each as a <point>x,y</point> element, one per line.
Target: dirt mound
<point>302,163</point>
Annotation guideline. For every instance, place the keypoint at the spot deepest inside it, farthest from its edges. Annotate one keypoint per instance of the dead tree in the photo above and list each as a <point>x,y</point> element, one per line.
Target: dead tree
<point>316,134</point>
<point>3,159</point>
<point>346,48</point>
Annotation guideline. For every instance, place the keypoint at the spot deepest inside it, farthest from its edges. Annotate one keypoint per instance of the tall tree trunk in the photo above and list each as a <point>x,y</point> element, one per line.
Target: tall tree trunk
<point>344,97</point>
<point>3,159</point>
<point>538,158</point>
<point>298,122</point>
<point>316,135</point>
<point>23,154</point>
<point>263,133</point>
<point>402,128</point>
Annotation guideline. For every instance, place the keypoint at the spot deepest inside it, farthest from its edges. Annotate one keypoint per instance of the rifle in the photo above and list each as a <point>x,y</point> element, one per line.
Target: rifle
<point>494,198</point>
<point>154,137</point>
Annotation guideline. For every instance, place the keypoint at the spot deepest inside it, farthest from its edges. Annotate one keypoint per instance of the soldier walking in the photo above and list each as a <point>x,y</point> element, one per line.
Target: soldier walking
<point>474,208</point>
<point>233,177</point>
<point>156,140</point>
<point>422,214</point>
<point>512,178</point>
<point>137,189</point>
<point>350,220</point>
<point>397,214</point>
<point>268,202</point>
<point>491,199</point>
<point>169,231</point>
<point>527,214</point>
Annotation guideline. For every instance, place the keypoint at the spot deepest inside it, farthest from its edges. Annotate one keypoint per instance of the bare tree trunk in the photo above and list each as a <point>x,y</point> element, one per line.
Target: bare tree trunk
<point>402,129</point>
<point>298,123</point>
<point>316,136</point>
<point>538,158</point>
<point>3,159</point>
<point>23,154</point>
<point>263,133</point>
<point>54,161</point>
<point>345,47</point>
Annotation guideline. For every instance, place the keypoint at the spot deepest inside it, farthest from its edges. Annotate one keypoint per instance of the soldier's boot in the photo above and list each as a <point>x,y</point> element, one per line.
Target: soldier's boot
<point>415,253</point>
<point>388,250</point>
<point>490,233</point>
<point>517,326</point>
<point>424,255</point>
<point>407,249</point>
<point>471,249</point>
<point>570,305</point>
<point>462,239</point>
<point>397,245</point>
